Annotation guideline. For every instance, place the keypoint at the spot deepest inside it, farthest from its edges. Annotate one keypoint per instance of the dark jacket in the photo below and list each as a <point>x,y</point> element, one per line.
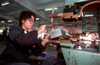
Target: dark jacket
<point>19,44</point>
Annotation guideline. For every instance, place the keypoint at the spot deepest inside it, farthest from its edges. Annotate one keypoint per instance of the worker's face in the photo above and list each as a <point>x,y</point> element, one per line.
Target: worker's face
<point>28,23</point>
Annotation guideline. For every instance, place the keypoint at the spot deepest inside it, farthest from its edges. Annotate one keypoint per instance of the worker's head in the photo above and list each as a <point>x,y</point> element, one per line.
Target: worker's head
<point>27,19</point>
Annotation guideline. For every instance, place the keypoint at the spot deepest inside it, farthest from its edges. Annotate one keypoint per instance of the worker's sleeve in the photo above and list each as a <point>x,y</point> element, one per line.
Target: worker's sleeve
<point>23,39</point>
<point>38,48</point>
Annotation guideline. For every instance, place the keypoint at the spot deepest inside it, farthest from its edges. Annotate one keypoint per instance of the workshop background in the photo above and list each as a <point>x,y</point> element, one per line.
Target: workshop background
<point>64,11</point>
<point>9,13</point>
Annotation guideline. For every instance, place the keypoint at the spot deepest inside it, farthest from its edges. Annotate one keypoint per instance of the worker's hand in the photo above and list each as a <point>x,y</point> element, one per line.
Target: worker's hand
<point>42,29</point>
<point>45,40</point>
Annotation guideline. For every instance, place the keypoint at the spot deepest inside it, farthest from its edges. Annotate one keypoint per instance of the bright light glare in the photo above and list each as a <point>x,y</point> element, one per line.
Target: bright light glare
<point>87,38</point>
<point>1,31</point>
<point>48,9</point>
<point>80,47</point>
<point>9,20</point>
<point>37,18</point>
<point>5,3</point>
<point>88,15</point>
<point>82,0</point>
<point>2,21</point>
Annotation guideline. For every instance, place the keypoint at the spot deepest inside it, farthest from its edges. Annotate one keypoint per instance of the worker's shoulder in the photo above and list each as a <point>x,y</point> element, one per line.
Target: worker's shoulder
<point>15,27</point>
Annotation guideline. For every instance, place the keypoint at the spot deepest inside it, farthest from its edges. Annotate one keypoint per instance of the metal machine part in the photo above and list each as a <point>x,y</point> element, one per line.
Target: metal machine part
<point>79,57</point>
<point>90,28</point>
<point>57,33</point>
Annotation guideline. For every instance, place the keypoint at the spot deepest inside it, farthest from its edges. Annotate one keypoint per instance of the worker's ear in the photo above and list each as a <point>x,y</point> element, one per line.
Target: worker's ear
<point>22,21</point>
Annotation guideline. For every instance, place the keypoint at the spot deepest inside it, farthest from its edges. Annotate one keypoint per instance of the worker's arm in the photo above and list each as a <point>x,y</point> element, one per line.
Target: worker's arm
<point>42,29</point>
<point>38,47</point>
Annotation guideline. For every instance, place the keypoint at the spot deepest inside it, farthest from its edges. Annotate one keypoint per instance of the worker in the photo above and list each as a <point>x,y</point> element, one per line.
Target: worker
<point>21,41</point>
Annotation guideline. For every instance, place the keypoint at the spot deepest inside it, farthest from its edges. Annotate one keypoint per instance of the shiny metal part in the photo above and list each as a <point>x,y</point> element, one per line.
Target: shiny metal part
<point>57,32</point>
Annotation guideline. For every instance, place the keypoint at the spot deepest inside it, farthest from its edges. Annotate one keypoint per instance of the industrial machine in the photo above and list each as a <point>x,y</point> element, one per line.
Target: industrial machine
<point>79,57</point>
<point>85,55</point>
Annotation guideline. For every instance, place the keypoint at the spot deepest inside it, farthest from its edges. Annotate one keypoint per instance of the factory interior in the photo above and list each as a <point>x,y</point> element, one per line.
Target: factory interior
<point>73,26</point>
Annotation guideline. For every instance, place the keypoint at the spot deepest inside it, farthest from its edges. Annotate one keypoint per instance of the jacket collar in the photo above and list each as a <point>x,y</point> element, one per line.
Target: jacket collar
<point>21,29</point>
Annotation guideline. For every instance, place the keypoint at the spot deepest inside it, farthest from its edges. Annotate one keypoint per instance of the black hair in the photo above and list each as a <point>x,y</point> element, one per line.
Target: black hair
<point>24,15</point>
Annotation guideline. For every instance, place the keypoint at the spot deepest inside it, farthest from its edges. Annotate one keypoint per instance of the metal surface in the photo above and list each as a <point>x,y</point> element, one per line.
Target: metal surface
<point>57,32</point>
<point>90,28</point>
<point>87,27</point>
<point>79,57</point>
<point>99,47</point>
